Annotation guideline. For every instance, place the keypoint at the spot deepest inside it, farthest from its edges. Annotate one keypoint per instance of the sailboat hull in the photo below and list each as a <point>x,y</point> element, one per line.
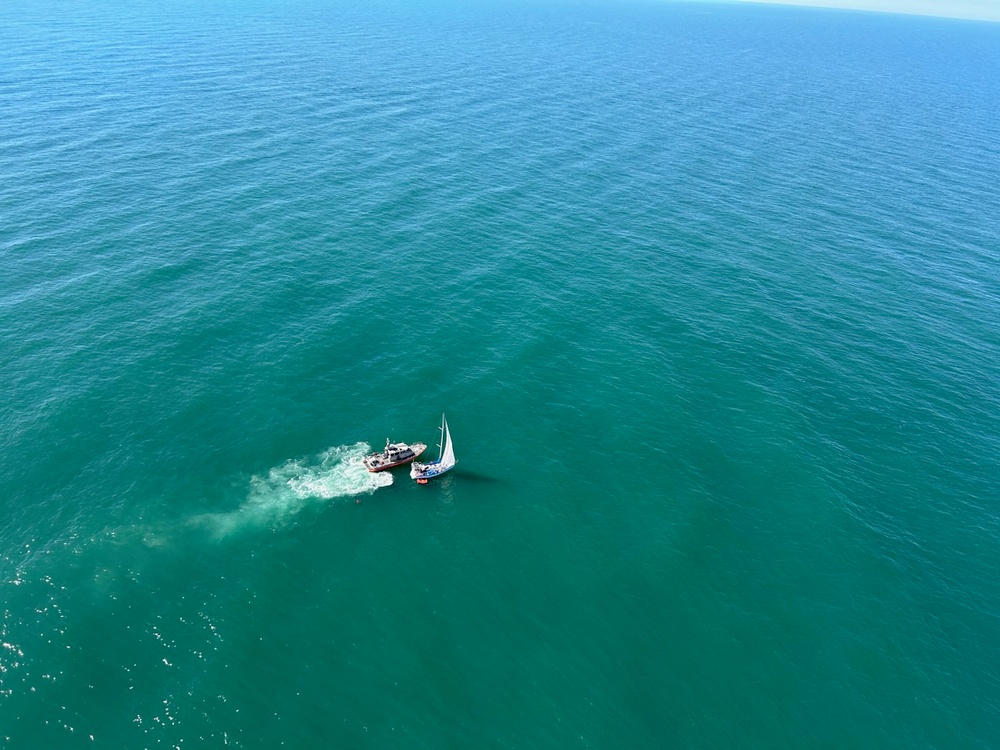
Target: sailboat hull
<point>423,472</point>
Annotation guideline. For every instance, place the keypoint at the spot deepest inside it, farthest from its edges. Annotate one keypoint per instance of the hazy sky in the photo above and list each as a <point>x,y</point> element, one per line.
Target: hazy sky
<point>988,10</point>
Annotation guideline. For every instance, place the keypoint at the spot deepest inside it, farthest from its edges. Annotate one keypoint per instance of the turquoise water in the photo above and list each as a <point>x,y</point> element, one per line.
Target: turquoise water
<point>710,295</point>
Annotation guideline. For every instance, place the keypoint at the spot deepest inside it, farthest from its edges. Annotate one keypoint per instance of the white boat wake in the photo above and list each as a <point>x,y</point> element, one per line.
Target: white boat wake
<point>286,490</point>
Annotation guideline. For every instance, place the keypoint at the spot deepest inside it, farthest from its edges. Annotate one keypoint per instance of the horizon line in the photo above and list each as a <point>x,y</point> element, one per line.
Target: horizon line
<point>966,10</point>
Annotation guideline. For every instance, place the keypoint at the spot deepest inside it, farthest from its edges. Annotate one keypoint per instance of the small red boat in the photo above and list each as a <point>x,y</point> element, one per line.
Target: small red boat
<point>394,454</point>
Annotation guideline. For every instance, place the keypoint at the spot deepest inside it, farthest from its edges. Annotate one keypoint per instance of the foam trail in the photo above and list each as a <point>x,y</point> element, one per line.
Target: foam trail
<point>287,489</point>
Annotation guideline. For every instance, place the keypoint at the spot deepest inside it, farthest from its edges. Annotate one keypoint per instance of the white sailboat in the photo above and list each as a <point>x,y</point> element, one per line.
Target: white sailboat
<point>446,458</point>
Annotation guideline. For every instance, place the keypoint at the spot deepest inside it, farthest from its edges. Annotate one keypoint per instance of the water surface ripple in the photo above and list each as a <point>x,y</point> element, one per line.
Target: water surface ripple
<point>709,293</point>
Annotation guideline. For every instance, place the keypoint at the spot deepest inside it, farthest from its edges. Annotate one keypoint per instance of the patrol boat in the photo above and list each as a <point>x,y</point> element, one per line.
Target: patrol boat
<point>394,454</point>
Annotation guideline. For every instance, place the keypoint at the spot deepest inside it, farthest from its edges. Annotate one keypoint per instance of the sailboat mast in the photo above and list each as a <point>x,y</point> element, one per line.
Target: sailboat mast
<point>441,444</point>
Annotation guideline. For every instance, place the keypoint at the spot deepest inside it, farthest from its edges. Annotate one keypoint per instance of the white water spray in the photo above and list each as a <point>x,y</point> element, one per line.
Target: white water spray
<point>277,497</point>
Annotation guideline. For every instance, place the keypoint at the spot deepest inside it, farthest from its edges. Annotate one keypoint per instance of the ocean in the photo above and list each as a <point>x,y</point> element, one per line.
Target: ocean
<point>710,295</point>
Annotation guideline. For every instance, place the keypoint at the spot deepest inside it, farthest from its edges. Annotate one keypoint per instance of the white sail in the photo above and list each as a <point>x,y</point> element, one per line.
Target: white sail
<point>448,452</point>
